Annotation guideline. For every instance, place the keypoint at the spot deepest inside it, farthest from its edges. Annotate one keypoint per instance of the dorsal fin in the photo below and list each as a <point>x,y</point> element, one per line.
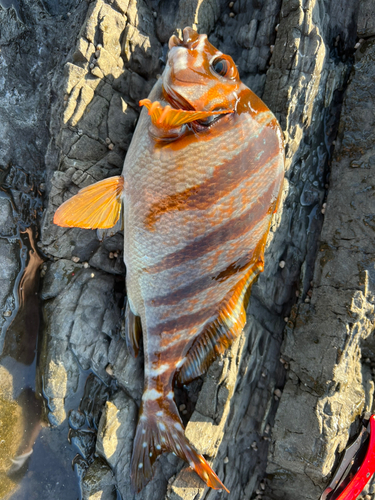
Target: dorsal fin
<point>221,332</point>
<point>168,117</point>
<point>133,331</point>
<point>95,206</point>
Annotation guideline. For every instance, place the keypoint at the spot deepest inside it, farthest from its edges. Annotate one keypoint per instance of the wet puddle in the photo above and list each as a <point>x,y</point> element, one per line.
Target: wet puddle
<point>37,461</point>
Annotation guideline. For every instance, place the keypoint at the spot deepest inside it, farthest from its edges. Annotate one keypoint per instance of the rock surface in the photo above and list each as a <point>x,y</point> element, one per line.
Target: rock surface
<point>328,387</point>
<point>297,55</point>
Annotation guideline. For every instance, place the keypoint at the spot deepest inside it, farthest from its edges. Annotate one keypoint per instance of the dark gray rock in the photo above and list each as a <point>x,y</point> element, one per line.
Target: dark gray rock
<point>57,275</point>
<point>85,313</point>
<point>115,437</point>
<point>7,224</point>
<point>109,255</point>
<point>98,482</point>
<point>328,389</point>
<point>300,85</point>
<point>76,419</point>
<point>366,19</point>
<point>127,370</point>
<point>10,267</point>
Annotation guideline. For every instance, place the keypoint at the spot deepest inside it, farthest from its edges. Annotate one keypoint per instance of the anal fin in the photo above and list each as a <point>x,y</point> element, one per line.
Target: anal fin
<point>221,332</point>
<point>95,206</point>
<point>133,331</point>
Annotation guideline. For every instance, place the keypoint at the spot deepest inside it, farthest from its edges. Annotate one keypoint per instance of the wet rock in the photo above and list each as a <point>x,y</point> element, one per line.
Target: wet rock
<point>61,374</point>
<point>78,321</point>
<point>98,482</point>
<point>205,429</point>
<point>76,419</point>
<point>115,437</point>
<point>10,267</point>
<point>109,256</point>
<point>94,397</point>
<point>127,370</point>
<point>84,440</point>
<point>366,19</point>
<point>57,276</point>
<point>7,224</point>
<point>247,39</point>
<point>328,385</point>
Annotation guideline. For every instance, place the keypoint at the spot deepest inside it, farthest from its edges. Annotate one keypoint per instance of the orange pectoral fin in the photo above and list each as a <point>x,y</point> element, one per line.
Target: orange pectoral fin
<point>95,206</point>
<point>169,117</point>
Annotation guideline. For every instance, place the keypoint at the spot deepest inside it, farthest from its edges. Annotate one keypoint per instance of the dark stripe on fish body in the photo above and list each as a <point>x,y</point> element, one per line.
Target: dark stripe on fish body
<point>226,177</point>
<point>226,232</point>
<point>184,322</point>
<point>208,281</point>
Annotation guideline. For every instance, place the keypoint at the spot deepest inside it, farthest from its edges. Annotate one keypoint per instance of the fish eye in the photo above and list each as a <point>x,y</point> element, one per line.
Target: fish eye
<point>221,66</point>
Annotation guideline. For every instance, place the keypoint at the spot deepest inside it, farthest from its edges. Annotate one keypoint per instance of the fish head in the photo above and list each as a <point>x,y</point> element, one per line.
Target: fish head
<point>198,76</point>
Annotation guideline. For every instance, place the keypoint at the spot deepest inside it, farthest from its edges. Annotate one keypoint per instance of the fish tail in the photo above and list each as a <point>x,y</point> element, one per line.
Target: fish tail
<point>161,430</point>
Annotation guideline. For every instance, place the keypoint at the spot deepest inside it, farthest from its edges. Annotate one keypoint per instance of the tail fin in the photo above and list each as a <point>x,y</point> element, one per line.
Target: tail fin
<point>161,430</point>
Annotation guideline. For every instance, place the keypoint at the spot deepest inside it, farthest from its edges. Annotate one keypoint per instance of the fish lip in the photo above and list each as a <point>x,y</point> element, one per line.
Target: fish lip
<point>180,103</point>
<point>176,100</point>
<point>190,39</point>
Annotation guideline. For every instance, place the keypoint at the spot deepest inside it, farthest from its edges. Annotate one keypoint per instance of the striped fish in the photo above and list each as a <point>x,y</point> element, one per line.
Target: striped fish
<point>201,180</point>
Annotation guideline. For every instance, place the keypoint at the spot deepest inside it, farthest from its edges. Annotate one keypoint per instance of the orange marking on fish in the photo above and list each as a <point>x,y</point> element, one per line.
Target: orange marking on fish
<point>196,197</point>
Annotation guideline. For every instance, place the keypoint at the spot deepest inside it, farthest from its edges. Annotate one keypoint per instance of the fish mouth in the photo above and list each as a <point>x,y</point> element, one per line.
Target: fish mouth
<point>179,103</point>
<point>172,119</point>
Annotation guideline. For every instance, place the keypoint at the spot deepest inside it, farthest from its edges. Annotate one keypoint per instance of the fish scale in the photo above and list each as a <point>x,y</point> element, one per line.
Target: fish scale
<point>201,181</point>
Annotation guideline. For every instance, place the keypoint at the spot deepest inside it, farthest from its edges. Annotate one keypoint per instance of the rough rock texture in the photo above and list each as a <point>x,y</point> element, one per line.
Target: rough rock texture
<point>28,54</point>
<point>328,387</point>
<point>100,60</point>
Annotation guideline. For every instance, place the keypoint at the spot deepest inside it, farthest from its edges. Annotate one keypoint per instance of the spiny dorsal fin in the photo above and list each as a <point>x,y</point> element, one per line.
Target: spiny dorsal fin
<point>95,206</point>
<point>221,332</point>
<point>169,117</point>
<point>133,331</point>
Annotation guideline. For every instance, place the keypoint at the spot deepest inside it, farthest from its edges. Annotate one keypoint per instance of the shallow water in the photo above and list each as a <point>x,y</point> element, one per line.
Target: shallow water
<point>43,455</point>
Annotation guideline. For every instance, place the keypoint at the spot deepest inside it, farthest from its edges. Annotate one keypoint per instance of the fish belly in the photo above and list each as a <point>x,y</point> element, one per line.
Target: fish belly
<point>194,215</point>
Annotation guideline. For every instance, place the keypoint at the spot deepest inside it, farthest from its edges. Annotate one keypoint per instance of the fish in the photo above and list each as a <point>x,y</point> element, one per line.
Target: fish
<point>201,181</point>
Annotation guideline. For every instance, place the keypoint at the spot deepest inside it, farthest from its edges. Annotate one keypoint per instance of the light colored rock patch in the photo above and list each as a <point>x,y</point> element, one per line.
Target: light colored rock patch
<point>109,429</point>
